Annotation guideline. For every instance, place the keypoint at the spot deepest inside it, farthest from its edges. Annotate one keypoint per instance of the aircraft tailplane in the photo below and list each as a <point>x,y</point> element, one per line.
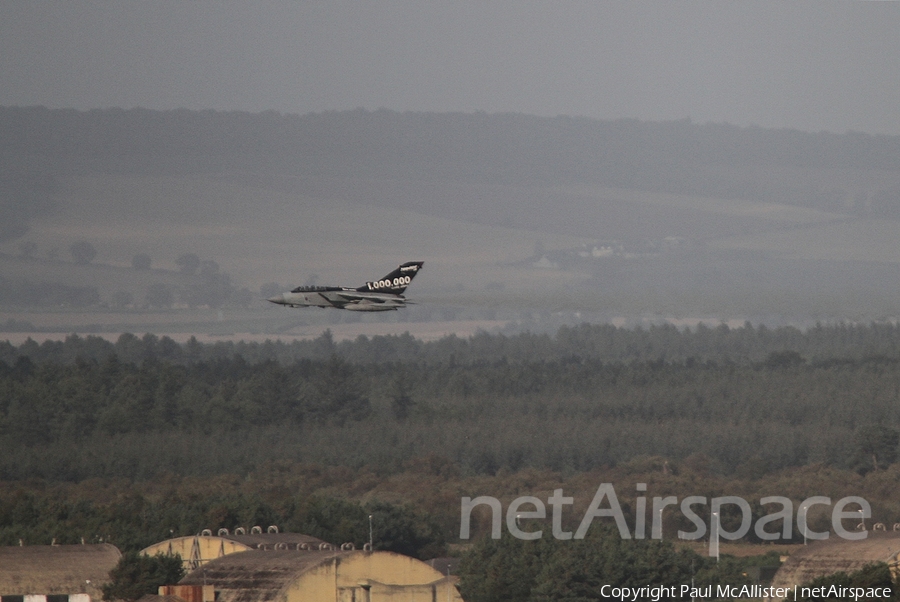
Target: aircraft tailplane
<point>397,281</point>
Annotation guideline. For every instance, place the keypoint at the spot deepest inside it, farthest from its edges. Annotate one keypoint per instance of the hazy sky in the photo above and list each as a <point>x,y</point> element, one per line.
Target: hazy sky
<point>811,65</point>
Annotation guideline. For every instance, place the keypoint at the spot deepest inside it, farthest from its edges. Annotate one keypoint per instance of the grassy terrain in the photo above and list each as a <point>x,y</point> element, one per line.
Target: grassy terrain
<point>260,235</point>
<point>743,259</point>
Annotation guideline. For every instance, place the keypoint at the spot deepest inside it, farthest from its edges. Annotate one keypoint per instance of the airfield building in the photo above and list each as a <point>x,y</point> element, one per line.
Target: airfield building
<point>834,555</point>
<point>55,573</point>
<point>227,567</point>
<point>308,575</point>
<point>198,550</point>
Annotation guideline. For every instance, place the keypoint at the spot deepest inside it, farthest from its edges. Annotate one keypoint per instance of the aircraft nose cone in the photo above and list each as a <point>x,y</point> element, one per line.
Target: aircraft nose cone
<point>279,299</point>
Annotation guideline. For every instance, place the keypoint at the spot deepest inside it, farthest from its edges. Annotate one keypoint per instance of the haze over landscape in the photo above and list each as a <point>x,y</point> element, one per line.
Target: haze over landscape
<point>805,65</point>
<point>642,204</point>
<point>659,244</point>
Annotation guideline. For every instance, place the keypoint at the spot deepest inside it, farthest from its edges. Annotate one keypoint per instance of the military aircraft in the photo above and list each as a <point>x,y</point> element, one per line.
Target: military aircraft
<point>385,294</point>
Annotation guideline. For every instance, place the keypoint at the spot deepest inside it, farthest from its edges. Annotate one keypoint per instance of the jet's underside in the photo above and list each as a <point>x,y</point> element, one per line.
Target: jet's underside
<point>341,298</point>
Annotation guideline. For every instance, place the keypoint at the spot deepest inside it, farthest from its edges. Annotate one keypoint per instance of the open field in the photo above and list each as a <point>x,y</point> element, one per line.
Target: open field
<point>734,260</point>
<point>260,235</point>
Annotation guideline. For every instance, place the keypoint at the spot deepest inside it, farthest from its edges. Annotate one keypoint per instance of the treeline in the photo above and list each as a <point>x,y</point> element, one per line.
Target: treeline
<point>603,565</point>
<point>133,521</point>
<point>548,569</point>
<point>676,157</point>
<point>415,511</point>
<point>748,344</point>
<point>151,406</point>
<point>120,420</point>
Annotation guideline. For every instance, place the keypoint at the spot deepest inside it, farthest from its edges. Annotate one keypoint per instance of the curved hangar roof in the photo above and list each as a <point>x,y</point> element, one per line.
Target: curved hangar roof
<point>48,570</point>
<point>198,550</point>
<point>296,575</point>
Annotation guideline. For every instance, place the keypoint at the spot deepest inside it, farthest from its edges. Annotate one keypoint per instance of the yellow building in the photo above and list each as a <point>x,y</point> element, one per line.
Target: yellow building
<point>304,575</point>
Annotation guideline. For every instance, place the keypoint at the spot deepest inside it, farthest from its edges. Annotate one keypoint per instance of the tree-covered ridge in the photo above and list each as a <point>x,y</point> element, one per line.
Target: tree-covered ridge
<point>590,569</point>
<point>39,144</point>
<point>114,140</point>
<point>133,520</point>
<point>140,407</point>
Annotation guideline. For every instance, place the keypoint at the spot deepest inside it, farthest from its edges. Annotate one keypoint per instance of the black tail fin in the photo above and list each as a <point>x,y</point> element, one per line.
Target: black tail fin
<point>397,281</point>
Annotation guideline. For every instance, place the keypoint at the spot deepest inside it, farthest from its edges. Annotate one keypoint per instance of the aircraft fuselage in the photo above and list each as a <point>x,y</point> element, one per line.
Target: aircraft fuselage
<point>379,295</point>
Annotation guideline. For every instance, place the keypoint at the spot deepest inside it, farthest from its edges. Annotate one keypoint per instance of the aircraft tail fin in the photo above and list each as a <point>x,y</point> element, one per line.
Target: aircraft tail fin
<point>397,281</point>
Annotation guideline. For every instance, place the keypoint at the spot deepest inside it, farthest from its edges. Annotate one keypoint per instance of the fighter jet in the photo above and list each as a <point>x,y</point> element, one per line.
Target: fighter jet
<point>385,294</point>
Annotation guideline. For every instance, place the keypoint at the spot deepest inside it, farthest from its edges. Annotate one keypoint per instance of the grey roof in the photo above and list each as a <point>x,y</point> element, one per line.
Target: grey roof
<point>78,569</point>
<point>257,576</point>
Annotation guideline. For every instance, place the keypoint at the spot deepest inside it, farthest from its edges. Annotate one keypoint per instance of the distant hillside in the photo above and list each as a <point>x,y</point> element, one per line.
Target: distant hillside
<point>852,173</point>
<point>624,217</point>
